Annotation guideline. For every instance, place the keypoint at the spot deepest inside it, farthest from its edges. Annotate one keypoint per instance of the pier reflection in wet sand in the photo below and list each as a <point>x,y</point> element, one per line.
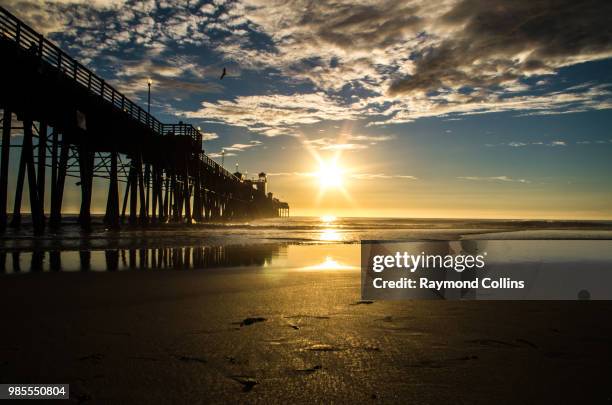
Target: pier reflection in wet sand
<point>184,257</point>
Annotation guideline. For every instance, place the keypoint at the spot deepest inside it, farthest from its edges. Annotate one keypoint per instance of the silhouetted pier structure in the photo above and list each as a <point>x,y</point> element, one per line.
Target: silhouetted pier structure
<point>77,125</point>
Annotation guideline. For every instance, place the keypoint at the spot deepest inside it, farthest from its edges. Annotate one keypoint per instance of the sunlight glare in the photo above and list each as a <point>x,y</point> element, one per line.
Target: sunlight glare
<point>330,175</point>
<point>328,218</point>
<point>329,264</point>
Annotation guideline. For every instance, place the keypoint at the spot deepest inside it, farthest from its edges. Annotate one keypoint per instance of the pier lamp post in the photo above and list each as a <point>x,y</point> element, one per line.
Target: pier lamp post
<point>149,82</point>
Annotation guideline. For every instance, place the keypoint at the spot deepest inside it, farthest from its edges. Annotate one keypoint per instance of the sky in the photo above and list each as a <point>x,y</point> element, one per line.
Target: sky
<point>462,108</point>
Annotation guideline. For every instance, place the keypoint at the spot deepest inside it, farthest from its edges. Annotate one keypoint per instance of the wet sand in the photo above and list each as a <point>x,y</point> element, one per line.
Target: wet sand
<point>259,334</point>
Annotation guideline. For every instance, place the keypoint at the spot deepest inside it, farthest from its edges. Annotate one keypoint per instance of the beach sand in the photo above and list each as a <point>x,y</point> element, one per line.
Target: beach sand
<point>274,335</point>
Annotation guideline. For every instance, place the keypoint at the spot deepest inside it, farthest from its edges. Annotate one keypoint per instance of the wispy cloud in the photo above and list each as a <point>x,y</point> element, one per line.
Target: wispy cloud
<point>504,179</point>
<point>234,149</point>
<point>209,136</point>
<point>376,176</point>
<point>347,141</point>
<point>556,143</point>
<point>216,155</point>
<point>239,147</point>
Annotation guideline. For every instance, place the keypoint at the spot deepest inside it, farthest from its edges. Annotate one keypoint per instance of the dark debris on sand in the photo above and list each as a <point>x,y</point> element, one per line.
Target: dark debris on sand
<point>363,302</point>
<point>191,359</point>
<point>527,343</point>
<point>94,357</point>
<point>250,321</point>
<point>492,343</point>
<point>310,370</point>
<point>247,382</point>
<point>443,362</point>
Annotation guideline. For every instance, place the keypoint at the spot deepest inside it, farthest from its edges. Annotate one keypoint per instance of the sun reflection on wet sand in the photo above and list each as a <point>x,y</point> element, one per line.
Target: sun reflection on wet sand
<point>331,235</point>
<point>329,264</point>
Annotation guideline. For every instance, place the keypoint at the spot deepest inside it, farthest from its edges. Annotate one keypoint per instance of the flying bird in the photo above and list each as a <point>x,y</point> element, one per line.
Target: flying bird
<point>223,74</point>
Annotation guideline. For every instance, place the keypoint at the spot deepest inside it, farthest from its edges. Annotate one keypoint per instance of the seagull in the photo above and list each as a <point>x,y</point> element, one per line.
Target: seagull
<point>223,74</point>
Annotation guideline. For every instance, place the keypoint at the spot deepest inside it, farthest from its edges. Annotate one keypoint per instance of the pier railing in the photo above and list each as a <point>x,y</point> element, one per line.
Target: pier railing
<point>13,29</point>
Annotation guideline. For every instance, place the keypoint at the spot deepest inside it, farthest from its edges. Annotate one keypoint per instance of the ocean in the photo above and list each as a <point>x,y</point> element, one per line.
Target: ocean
<point>297,242</point>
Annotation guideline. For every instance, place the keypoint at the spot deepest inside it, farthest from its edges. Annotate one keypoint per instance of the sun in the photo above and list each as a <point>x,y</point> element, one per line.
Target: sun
<point>329,175</point>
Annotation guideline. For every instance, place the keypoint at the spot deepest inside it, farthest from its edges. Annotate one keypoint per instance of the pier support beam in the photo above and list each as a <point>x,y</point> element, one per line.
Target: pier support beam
<point>167,197</point>
<point>57,186</point>
<point>4,165</point>
<point>197,197</point>
<point>54,161</point>
<point>28,154</point>
<point>141,189</point>
<point>16,220</point>
<point>42,163</point>
<point>86,163</point>
<point>147,183</point>
<point>187,196</point>
<point>160,196</point>
<point>154,193</point>
<point>133,190</point>
<point>126,195</point>
<point>112,204</point>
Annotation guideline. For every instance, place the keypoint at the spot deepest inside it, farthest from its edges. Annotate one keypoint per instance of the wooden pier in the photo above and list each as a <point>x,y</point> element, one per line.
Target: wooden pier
<point>77,125</point>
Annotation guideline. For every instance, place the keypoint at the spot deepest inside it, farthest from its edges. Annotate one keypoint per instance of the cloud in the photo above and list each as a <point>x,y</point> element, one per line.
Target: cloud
<point>216,155</point>
<point>346,142</point>
<point>451,104</point>
<point>490,43</point>
<point>209,136</point>
<point>49,17</point>
<point>274,115</point>
<point>376,176</point>
<point>515,144</point>
<point>239,147</point>
<point>344,146</point>
<point>371,138</point>
<point>504,179</point>
<point>234,149</point>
